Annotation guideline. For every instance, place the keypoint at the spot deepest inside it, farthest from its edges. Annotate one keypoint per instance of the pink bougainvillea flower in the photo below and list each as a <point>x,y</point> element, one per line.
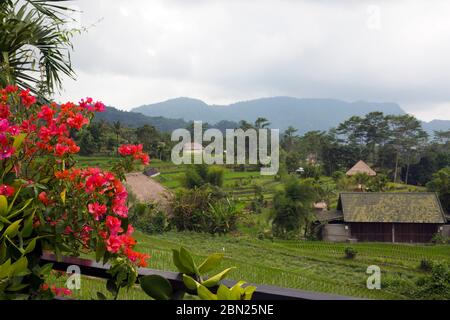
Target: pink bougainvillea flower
<point>113,244</point>
<point>4,125</point>
<point>121,210</point>
<point>114,225</point>
<point>6,152</point>
<point>27,99</point>
<point>61,150</point>
<point>78,121</point>
<point>97,210</point>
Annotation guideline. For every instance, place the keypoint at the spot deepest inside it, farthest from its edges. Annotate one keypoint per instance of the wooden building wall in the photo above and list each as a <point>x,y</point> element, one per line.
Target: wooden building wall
<point>393,232</point>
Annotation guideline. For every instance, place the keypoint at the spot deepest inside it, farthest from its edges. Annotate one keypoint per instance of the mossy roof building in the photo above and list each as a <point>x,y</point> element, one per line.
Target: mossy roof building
<point>385,217</point>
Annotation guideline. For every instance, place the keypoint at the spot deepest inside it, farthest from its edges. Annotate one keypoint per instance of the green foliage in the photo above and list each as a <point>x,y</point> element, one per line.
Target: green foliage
<point>35,45</point>
<point>378,183</point>
<point>350,253</point>
<point>203,209</point>
<point>148,218</point>
<point>20,276</point>
<point>194,280</point>
<point>425,265</point>
<point>435,286</point>
<point>439,238</point>
<point>198,175</point>
<point>441,185</point>
<point>292,207</point>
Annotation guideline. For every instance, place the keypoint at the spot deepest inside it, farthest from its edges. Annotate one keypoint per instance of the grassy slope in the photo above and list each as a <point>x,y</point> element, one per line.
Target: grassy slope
<point>315,266</point>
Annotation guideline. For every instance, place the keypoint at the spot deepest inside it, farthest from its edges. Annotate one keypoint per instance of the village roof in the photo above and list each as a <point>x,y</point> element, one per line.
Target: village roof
<point>361,167</point>
<point>413,207</point>
<point>328,215</point>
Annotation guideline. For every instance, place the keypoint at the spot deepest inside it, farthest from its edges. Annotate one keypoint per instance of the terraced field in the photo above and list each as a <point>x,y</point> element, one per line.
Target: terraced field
<point>307,265</point>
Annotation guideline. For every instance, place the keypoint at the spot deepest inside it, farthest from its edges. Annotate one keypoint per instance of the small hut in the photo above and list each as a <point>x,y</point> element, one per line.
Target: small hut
<point>361,167</point>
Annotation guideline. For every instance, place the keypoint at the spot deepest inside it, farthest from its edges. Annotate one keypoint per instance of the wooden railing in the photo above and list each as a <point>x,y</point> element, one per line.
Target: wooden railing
<point>263,292</point>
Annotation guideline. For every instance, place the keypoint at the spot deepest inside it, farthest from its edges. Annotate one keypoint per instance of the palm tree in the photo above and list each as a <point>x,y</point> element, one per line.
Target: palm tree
<point>118,131</point>
<point>34,45</point>
<point>261,123</point>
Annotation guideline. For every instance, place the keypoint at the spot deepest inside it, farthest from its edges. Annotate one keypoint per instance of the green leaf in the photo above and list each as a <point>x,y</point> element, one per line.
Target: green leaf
<point>31,245</point>
<point>190,282</point>
<point>5,269</point>
<point>45,269</point>
<point>157,287</point>
<point>223,293</point>
<point>12,229</point>
<point>248,292</point>
<point>236,291</point>
<point>28,226</point>
<point>18,140</point>
<point>187,261</point>
<point>16,212</point>
<point>205,294</point>
<point>17,286</point>
<point>214,280</point>
<point>177,261</point>
<point>3,205</point>
<point>100,250</point>
<point>210,263</point>
<point>20,266</point>
<point>2,250</point>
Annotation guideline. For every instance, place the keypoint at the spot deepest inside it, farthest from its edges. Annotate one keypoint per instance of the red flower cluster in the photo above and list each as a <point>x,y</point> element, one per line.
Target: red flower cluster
<point>135,151</point>
<point>59,292</point>
<point>6,190</point>
<point>45,131</point>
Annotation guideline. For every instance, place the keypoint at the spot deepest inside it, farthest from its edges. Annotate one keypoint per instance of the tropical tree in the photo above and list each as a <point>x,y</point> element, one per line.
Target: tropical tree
<point>292,207</point>
<point>34,44</point>
<point>441,185</point>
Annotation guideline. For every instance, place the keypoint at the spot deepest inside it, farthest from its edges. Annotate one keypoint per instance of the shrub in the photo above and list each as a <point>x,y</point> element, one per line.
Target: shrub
<point>439,238</point>
<point>436,286</point>
<point>350,253</point>
<point>148,218</point>
<point>425,265</point>
<point>215,176</point>
<point>200,174</point>
<point>205,209</point>
<point>292,208</point>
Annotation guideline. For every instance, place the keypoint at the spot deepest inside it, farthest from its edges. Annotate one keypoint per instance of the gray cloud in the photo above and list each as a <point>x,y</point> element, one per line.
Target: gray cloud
<point>223,51</point>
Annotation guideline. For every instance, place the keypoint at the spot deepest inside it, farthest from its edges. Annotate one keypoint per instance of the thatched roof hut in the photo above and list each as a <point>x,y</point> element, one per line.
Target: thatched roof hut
<point>361,167</point>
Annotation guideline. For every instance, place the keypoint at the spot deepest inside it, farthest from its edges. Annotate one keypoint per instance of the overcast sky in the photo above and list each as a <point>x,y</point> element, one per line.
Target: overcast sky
<point>222,51</point>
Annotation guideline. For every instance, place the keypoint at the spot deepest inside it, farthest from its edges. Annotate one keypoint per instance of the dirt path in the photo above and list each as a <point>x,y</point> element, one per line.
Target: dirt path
<point>146,189</point>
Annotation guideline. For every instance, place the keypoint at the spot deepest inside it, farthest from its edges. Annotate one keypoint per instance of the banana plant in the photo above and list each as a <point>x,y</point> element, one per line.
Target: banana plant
<point>195,281</point>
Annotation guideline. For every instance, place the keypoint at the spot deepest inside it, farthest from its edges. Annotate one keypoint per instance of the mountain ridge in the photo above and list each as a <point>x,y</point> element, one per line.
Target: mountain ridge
<point>304,114</point>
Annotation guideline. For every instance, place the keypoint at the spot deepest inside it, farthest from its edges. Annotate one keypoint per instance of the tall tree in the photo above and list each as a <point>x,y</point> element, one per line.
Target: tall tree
<point>407,136</point>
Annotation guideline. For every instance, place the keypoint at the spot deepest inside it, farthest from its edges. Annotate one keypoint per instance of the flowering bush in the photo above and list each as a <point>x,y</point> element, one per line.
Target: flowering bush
<point>47,202</point>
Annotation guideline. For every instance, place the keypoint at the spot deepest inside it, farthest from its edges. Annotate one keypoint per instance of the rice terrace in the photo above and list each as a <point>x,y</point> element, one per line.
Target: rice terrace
<point>313,162</point>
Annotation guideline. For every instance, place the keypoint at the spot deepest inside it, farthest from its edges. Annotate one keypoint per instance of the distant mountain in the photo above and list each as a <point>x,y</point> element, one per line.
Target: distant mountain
<point>436,125</point>
<point>303,114</point>
<point>134,120</point>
